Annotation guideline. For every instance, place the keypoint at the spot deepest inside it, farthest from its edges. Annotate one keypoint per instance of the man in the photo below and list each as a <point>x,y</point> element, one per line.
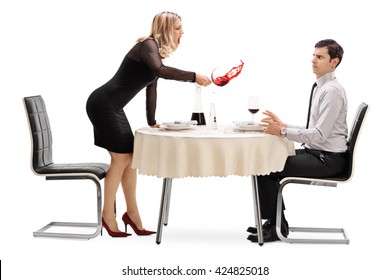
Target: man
<point>324,137</point>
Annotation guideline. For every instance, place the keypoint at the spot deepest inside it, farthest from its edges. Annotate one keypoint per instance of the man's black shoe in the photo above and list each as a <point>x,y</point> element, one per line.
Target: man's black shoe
<point>270,234</point>
<point>252,238</point>
<point>266,226</point>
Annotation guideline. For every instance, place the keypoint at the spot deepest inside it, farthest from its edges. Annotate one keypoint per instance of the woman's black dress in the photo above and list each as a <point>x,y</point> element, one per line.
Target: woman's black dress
<point>141,67</point>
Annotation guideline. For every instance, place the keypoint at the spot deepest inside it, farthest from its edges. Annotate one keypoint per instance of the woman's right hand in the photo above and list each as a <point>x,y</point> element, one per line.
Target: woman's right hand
<point>202,80</point>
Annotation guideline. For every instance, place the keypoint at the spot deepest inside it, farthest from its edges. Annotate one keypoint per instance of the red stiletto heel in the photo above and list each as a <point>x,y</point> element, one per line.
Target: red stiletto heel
<point>127,221</point>
<point>113,233</point>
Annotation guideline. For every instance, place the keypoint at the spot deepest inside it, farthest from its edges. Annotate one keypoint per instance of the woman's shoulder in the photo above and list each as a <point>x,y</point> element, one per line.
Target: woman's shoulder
<point>148,42</point>
<point>143,46</point>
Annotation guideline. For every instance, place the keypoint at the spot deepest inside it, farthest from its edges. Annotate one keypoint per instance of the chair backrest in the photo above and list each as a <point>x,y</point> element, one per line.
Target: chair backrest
<point>353,138</point>
<point>40,132</point>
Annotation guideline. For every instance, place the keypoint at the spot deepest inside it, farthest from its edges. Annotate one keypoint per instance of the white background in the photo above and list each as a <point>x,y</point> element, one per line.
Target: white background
<point>63,50</point>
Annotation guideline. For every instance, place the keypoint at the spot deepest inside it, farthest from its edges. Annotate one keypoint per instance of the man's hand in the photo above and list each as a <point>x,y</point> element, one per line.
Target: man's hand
<point>272,124</point>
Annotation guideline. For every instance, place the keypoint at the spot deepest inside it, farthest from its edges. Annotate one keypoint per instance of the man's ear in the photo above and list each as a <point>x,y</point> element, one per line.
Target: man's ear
<point>335,61</point>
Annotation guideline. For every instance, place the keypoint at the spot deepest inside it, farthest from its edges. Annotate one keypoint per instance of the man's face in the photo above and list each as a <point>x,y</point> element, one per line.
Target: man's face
<point>321,62</point>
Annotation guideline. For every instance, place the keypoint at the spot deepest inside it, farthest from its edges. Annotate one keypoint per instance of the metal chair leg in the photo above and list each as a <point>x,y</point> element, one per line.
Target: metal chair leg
<point>287,239</point>
<point>98,226</point>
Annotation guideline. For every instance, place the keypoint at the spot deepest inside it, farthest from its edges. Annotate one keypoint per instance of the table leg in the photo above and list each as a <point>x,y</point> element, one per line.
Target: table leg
<point>168,202</point>
<point>164,206</point>
<point>256,204</point>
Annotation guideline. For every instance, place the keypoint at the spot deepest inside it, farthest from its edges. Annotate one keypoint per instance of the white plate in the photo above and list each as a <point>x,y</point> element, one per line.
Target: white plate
<point>250,127</point>
<point>178,127</point>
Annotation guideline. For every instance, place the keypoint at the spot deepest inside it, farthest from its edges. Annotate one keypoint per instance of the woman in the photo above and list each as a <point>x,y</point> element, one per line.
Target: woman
<point>141,67</point>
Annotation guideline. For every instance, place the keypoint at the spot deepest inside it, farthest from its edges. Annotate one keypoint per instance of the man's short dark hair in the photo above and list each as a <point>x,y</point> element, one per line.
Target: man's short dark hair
<point>334,49</point>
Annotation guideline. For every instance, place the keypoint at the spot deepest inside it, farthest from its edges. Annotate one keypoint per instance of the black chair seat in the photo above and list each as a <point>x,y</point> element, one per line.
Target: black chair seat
<point>43,164</point>
<point>98,169</point>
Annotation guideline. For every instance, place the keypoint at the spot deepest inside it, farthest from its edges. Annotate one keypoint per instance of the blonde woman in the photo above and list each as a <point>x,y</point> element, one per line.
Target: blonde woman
<point>141,68</point>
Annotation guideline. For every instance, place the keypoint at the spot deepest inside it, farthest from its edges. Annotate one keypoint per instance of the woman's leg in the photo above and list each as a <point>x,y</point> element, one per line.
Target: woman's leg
<point>129,186</point>
<point>118,164</point>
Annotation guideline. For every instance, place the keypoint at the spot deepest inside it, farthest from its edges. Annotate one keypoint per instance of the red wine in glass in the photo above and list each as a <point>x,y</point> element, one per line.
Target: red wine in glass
<point>253,111</point>
<point>221,77</point>
<point>253,105</point>
<point>199,117</point>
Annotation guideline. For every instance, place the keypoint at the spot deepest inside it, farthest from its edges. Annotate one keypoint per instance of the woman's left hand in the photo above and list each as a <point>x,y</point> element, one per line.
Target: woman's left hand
<point>157,125</point>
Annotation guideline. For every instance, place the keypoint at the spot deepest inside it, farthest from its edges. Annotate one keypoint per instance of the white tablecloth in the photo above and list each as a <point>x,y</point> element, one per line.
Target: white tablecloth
<point>202,152</point>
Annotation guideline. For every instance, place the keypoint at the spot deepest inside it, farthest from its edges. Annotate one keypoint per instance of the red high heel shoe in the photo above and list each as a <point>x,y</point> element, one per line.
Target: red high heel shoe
<point>113,233</point>
<point>127,221</point>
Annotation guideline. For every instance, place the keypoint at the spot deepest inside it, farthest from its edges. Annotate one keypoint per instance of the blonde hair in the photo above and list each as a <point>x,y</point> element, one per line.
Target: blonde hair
<point>161,31</point>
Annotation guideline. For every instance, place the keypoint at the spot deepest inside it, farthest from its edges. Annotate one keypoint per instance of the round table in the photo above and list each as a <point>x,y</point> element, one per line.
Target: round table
<point>202,152</point>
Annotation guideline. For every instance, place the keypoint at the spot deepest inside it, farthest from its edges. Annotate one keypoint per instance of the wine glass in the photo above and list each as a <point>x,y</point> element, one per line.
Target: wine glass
<point>219,76</point>
<point>253,106</point>
<point>223,75</point>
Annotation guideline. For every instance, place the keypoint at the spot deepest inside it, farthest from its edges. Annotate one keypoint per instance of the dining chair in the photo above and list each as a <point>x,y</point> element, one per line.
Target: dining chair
<point>325,182</point>
<point>42,165</point>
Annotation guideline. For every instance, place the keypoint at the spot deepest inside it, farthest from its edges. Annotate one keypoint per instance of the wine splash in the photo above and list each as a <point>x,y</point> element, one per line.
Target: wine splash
<point>221,78</point>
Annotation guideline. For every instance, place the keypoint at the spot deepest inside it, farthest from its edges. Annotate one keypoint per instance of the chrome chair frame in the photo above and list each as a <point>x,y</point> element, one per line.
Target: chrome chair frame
<point>43,165</point>
<point>325,182</point>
